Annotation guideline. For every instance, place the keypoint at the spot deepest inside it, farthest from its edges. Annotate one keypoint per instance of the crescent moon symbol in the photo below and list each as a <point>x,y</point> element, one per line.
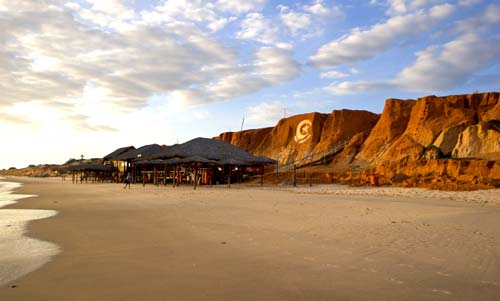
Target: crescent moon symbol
<point>303,131</point>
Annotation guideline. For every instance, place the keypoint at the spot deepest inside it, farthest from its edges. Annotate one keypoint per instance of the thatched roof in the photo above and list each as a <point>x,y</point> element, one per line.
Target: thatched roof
<point>141,153</point>
<point>116,153</point>
<point>196,159</point>
<point>89,167</point>
<point>209,149</point>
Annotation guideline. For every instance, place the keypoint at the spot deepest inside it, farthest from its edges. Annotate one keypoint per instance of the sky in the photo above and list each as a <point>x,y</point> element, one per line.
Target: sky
<point>85,77</point>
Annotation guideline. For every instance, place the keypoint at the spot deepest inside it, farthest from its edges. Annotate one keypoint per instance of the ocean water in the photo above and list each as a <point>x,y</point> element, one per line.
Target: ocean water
<point>19,254</point>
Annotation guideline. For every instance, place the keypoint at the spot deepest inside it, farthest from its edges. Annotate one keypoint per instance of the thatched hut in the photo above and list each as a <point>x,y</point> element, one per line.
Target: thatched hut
<point>84,172</point>
<point>137,154</point>
<point>118,166</point>
<point>215,159</point>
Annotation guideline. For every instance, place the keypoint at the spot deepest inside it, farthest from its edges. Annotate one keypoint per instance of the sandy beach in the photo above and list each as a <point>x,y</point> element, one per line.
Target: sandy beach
<point>251,243</point>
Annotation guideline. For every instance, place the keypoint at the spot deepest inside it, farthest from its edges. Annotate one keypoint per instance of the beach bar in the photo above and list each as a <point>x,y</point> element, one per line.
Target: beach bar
<point>200,161</point>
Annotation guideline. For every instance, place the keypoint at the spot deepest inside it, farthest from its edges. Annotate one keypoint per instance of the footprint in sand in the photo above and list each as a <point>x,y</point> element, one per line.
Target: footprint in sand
<point>445,292</point>
<point>396,281</point>
<point>443,274</point>
<point>494,283</point>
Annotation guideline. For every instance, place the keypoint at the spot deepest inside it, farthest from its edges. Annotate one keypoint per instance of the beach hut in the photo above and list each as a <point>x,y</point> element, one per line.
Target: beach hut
<point>118,165</point>
<point>84,172</point>
<point>216,154</point>
<point>136,155</point>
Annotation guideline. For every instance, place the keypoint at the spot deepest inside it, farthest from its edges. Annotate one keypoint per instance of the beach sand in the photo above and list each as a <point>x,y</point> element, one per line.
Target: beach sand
<point>252,243</point>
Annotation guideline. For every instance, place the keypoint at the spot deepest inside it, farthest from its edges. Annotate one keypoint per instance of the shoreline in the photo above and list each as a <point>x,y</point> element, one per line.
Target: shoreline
<point>247,243</point>
<point>20,254</point>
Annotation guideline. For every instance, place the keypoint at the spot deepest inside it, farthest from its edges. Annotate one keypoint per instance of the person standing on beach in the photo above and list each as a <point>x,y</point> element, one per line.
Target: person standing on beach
<point>128,180</point>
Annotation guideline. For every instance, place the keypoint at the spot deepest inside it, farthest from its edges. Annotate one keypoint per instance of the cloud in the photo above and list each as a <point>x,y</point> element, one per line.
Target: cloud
<point>359,87</point>
<point>481,23</point>
<point>265,113</point>
<point>436,69</point>
<point>308,20</point>
<point>402,7</point>
<point>270,66</point>
<point>469,2</point>
<point>258,28</point>
<point>451,65</point>
<point>240,6</point>
<point>5,117</point>
<point>66,54</point>
<point>296,22</point>
<point>204,13</point>
<point>319,8</point>
<point>333,74</point>
<point>363,44</point>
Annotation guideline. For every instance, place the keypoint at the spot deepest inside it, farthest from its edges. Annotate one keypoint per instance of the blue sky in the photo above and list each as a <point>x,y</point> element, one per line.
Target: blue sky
<point>85,77</point>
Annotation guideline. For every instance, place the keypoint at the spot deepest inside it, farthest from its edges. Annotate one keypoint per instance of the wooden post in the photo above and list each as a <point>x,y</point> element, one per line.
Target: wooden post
<point>294,175</point>
<point>261,174</point>
<point>230,172</point>
<point>134,173</point>
<point>154,175</point>
<point>277,170</point>
<point>165,175</point>
<point>195,175</point>
<point>310,180</point>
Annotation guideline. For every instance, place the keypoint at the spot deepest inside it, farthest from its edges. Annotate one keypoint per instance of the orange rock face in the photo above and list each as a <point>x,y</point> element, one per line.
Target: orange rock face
<point>389,128</point>
<point>301,135</point>
<point>405,138</point>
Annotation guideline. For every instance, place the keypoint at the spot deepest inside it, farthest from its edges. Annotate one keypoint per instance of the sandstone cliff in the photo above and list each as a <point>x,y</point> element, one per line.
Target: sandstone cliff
<point>301,135</point>
<point>407,138</point>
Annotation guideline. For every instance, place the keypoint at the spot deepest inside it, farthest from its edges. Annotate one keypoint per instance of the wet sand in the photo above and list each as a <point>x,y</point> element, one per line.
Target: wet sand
<point>251,243</point>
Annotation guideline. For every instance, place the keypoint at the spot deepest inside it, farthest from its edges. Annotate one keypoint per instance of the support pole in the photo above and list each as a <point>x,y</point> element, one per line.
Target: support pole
<point>276,176</point>
<point>294,176</point>
<point>195,175</point>
<point>261,174</point>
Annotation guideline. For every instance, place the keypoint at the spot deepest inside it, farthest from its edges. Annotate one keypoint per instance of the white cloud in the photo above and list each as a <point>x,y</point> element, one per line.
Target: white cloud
<point>469,2</point>
<point>333,74</point>
<point>449,66</point>
<point>240,6</point>
<point>401,7</point>
<point>354,71</point>
<point>319,8</point>
<point>436,69</point>
<point>174,12</point>
<point>308,20</point>
<point>276,65</point>
<point>265,113</point>
<point>79,67</point>
<point>363,44</point>
<point>480,23</point>
<point>441,68</point>
<point>296,22</point>
<point>359,87</point>
<point>271,66</point>
<point>257,27</point>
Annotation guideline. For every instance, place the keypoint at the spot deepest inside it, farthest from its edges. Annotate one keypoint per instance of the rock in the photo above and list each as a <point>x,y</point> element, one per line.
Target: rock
<point>394,143</point>
<point>480,141</point>
<point>390,126</point>
<point>298,136</point>
<point>448,138</point>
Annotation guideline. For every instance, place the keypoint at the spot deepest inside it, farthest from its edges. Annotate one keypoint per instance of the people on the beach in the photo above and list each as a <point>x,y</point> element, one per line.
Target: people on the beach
<point>128,180</point>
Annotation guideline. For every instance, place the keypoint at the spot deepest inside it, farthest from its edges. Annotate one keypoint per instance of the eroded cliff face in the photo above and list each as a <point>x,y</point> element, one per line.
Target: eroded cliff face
<point>391,125</point>
<point>405,136</point>
<point>479,141</point>
<point>301,135</point>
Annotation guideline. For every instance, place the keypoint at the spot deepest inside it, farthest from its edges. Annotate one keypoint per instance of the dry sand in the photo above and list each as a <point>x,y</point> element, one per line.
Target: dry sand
<point>250,243</point>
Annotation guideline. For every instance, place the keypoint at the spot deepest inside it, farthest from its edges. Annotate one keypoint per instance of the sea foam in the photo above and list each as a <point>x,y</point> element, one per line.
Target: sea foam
<point>19,254</point>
